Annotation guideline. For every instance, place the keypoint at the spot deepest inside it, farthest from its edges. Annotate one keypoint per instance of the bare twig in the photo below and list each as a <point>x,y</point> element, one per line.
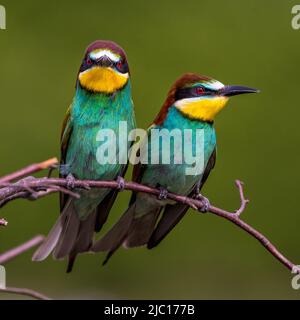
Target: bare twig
<point>244,201</point>
<point>13,253</point>
<point>33,168</point>
<point>25,292</point>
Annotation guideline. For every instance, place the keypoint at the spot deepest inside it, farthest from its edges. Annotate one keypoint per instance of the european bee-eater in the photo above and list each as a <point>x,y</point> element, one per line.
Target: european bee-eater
<point>102,100</point>
<point>192,103</point>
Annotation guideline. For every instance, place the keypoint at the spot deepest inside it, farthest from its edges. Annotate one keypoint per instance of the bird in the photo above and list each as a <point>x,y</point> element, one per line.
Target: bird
<point>102,100</point>
<point>191,104</point>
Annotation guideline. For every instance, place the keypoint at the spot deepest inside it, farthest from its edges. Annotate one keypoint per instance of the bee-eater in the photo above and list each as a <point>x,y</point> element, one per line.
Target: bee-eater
<point>192,103</point>
<point>102,100</point>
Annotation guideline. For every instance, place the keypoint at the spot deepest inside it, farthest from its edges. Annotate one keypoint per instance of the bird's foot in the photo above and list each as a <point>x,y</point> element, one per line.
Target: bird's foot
<point>70,181</point>
<point>163,193</point>
<point>121,183</point>
<point>190,203</point>
<point>205,203</point>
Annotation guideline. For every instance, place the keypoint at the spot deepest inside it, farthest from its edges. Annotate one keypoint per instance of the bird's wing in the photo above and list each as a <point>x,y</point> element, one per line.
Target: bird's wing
<point>66,132</point>
<point>138,169</point>
<point>174,213</point>
<point>210,165</point>
<point>137,175</point>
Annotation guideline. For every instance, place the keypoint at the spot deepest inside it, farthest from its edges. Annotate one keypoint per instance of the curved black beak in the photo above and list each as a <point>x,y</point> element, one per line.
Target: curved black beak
<point>105,62</point>
<point>229,91</point>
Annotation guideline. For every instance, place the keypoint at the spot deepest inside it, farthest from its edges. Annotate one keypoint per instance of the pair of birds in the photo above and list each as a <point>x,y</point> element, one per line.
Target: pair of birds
<point>103,99</point>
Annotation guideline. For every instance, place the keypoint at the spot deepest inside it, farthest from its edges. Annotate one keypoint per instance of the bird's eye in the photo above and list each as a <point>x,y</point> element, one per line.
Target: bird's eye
<point>199,90</point>
<point>120,65</point>
<point>89,61</point>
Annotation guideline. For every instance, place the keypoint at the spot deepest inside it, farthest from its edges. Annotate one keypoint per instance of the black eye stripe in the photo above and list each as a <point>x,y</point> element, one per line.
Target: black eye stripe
<point>192,92</point>
<point>88,63</point>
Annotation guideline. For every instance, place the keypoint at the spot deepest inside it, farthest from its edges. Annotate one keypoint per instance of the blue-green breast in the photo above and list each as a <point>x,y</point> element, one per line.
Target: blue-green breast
<point>174,176</point>
<point>91,112</point>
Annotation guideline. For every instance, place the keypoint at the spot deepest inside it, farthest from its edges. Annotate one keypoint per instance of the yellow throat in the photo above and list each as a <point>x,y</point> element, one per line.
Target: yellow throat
<point>204,109</point>
<point>101,79</point>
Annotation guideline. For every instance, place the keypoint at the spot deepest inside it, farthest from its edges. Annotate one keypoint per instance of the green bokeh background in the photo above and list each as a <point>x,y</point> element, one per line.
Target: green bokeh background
<point>237,42</point>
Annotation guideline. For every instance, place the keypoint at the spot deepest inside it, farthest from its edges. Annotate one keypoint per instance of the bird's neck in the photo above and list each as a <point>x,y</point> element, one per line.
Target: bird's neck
<point>176,119</point>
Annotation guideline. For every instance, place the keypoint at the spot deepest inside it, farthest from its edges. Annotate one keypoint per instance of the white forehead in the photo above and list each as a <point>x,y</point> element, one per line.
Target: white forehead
<point>214,85</point>
<point>97,54</point>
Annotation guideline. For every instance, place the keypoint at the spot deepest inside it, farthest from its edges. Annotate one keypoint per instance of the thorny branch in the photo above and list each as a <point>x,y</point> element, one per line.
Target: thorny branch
<point>31,188</point>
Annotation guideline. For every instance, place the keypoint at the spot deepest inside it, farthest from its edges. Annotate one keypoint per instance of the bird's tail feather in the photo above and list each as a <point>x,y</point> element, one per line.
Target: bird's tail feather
<point>53,237</point>
<point>114,238</point>
<point>141,229</point>
<point>129,231</point>
<point>84,239</point>
<point>171,216</point>
<point>68,237</point>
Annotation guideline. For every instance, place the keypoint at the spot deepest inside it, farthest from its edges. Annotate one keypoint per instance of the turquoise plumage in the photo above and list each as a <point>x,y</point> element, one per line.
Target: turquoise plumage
<point>91,112</point>
<point>165,175</point>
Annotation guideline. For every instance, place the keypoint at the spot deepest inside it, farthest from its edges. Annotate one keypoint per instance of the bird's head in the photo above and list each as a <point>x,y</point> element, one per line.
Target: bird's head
<point>200,97</point>
<point>104,68</point>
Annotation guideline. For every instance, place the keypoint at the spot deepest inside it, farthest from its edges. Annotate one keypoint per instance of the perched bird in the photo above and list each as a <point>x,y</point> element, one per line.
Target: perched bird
<point>192,103</point>
<point>102,100</point>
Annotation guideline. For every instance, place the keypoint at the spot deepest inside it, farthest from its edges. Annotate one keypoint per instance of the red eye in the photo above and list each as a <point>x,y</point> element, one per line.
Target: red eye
<point>199,90</point>
<point>119,65</point>
<point>89,61</point>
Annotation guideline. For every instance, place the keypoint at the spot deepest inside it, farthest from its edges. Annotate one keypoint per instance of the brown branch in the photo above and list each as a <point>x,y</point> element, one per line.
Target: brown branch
<point>244,201</point>
<point>33,168</point>
<point>25,292</point>
<point>234,217</point>
<point>13,253</point>
<point>34,188</point>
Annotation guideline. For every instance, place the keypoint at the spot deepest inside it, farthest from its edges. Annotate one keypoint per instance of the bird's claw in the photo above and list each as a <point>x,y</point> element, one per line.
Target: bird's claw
<point>121,183</point>
<point>70,181</point>
<point>163,194</point>
<point>205,203</point>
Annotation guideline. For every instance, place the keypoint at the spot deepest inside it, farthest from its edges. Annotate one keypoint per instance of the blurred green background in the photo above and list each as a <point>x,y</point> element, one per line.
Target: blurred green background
<point>237,42</point>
